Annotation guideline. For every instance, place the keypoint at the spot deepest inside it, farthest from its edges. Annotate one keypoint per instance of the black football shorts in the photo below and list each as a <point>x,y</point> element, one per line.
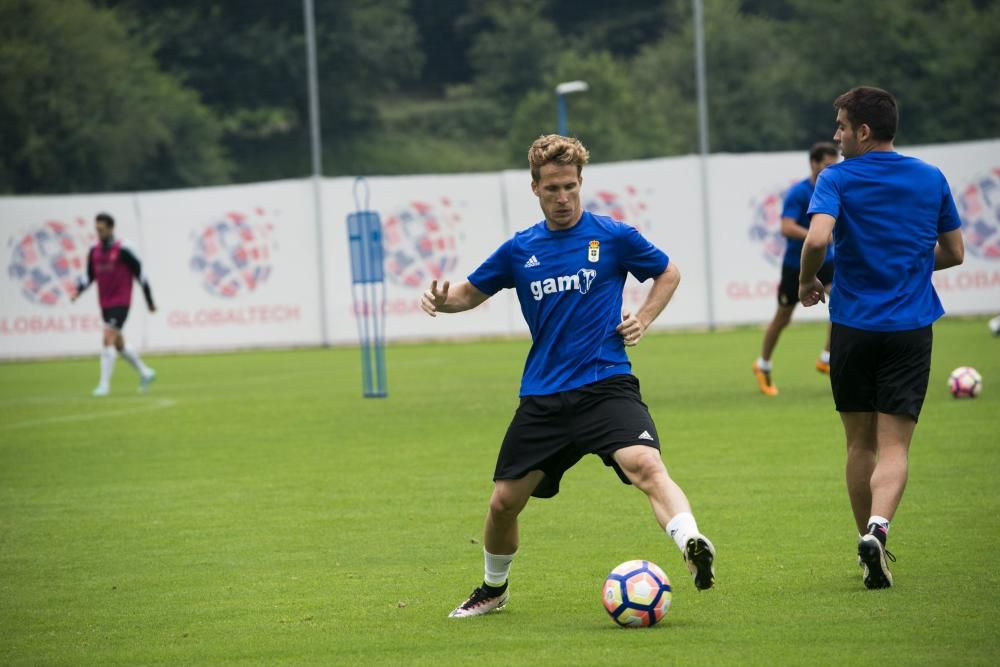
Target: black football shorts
<point>551,433</point>
<point>880,371</point>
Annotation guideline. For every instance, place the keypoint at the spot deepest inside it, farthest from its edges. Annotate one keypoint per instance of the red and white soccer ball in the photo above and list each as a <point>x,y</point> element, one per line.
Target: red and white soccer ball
<point>637,594</point>
<point>965,382</point>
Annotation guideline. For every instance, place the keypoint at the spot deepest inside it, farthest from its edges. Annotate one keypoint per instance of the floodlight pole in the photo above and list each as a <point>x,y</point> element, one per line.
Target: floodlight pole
<point>317,160</point>
<point>699,58</point>
<point>562,90</point>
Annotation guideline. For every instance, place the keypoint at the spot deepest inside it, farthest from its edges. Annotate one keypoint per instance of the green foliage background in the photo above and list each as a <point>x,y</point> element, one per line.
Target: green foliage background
<point>125,94</point>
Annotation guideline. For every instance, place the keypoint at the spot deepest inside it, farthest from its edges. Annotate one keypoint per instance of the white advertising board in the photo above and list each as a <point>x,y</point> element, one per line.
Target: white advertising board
<point>46,241</point>
<point>232,266</point>
<point>434,228</point>
<point>973,172</point>
<point>239,266</point>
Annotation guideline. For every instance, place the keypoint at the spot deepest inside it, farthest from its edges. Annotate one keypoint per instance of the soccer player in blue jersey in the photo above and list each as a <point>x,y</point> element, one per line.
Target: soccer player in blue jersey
<point>794,225</point>
<point>894,223</point>
<point>578,395</point>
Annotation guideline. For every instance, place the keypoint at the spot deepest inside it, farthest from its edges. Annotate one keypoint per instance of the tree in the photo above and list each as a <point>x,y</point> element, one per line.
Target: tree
<point>748,68</point>
<point>939,59</point>
<point>84,107</point>
<point>247,60</point>
<point>515,54</point>
<point>607,118</point>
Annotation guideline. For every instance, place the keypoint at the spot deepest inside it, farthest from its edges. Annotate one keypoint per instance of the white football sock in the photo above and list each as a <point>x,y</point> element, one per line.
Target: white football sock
<point>824,356</point>
<point>682,528</point>
<point>497,568</point>
<point>108,356</point>
<point>764,365</point>
<point>879,521</point>
<point>132,357</point>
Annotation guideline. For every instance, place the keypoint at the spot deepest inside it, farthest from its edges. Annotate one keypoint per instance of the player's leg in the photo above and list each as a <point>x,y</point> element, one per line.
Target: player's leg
<point>888,480</point>
<point>823,363</point>
<point>902,375</point>
<point>612,421</point>
<point>500,542</point>
<point>889,477</point>
<point>108,356</point>
<point>788,297</point>
<point>861,431</point>
<point>509,497</point>
<point>826,277</point>
<point>535,441</point>
<point>782,318</point>
<point>146,374</point>
<point>644,468</point>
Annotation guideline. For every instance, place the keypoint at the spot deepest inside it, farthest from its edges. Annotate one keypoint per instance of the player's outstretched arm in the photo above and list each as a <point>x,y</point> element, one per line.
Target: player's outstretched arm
<point>633,327</point>
<point>448,299</point>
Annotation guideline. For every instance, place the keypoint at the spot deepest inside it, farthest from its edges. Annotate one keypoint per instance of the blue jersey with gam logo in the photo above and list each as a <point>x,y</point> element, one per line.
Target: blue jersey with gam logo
<point>569,284</point>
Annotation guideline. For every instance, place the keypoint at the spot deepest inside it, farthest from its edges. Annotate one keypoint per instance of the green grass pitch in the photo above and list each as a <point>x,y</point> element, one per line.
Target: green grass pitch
<point>254,509</point>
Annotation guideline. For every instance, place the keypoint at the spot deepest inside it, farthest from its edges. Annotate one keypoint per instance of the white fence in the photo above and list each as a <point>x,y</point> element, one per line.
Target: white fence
<point>236,266</point>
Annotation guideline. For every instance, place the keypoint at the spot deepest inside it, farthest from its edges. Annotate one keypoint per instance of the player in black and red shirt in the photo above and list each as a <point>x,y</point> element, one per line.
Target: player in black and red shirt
<point>114,265</point>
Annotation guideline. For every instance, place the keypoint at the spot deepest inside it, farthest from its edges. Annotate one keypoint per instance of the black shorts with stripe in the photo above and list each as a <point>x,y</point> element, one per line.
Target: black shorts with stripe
<point>115,316</point>
<point>880,371</point>
<point>551,433</point>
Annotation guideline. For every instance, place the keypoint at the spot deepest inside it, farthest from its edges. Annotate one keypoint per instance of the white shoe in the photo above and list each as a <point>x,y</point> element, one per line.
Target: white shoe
<point>482,602</point>
<point>146,380</point>
<point>699,554</point>
<point>101,390</point>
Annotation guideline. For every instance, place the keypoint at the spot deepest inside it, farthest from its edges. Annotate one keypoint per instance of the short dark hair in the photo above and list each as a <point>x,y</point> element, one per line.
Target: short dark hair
<point>821,150</point>
<point>874,107</point>
<point>106,219</point>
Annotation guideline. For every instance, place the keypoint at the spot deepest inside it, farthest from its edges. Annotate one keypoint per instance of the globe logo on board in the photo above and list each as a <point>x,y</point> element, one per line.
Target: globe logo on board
<point>47,260</point>
<point>232,255</point>
<point>979,207</point>
<point>421,241</point>
<point>765,226</point>
<point>626,206</point>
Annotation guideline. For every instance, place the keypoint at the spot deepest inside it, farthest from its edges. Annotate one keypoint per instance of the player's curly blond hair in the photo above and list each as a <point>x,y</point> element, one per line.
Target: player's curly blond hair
<point>559,149</point>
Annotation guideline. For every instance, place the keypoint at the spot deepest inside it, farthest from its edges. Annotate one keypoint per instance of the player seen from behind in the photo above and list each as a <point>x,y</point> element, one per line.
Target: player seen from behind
<point>894,223</point>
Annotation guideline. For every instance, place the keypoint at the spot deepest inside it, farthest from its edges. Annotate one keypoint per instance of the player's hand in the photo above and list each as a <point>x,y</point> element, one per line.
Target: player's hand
<point>434,298</point>
<point>631,329</point>
<point>812,293</point>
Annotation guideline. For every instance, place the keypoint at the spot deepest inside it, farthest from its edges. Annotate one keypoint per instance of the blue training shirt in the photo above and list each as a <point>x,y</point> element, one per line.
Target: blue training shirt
<point>569,284</point>
<point>796,206</point>
<point>890,209</point>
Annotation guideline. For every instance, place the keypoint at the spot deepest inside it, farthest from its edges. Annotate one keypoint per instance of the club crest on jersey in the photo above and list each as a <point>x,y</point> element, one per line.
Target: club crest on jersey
<point>594,251</point>
<point>579,281</point>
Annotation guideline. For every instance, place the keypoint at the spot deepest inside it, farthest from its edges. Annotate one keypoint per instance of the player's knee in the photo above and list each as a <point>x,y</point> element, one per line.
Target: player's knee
<point>503,502</point>
<point>646,466</point>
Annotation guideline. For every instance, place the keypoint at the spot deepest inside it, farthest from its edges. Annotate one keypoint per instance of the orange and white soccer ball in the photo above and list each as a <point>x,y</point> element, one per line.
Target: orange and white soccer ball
<point>637,594</point>
<point>965,382</point>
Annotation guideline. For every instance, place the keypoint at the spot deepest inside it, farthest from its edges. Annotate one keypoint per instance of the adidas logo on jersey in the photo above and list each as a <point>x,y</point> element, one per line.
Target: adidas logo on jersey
<point>645,436</point>
<point>579,281</point>
<point>532,263</point>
